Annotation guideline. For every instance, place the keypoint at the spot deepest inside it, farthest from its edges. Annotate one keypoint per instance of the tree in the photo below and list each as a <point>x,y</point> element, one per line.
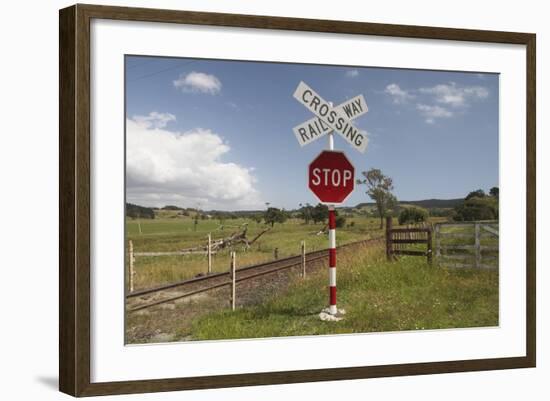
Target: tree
<point>273,215</point>
<point>319,213</point>
<point>477,206</point>
<point>477,209</point>
<point>305,212</point>
<point>494,192</point>
<point>476,194</point>
<point>413,214</point>
<point>379,189</point>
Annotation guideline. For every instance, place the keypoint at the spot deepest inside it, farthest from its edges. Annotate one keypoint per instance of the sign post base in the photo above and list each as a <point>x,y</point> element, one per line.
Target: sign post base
<point>326,316</point>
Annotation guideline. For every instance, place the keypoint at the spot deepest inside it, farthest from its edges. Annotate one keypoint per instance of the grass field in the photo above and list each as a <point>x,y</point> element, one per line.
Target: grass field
<point>377,296</point>
<point>172,234</point>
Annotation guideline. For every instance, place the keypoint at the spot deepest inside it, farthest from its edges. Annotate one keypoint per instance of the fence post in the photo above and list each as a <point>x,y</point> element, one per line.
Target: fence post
<point>429,250</point>
<point>389,238</point>
<point>131,265</point>
<point>303,259</point>
<point>233,281</point>
<point>209,250</point>
<point>478,245</point>
<point>437,241</point>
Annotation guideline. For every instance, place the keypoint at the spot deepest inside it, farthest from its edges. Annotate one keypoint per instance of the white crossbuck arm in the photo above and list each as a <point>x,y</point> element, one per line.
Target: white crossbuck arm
<point>329,118</point>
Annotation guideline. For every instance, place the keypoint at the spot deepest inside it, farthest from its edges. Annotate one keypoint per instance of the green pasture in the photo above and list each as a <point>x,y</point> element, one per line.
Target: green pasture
<point>169,234</point>
<point>377,296</point>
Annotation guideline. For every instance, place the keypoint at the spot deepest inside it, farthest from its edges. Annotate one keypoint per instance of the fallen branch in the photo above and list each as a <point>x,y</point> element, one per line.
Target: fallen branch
<point>259,235</point>
<point>237,237</point>
<point>323,231</point>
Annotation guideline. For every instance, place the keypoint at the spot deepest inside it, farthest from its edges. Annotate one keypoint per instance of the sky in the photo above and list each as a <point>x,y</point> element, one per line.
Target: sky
<point>217,134</point>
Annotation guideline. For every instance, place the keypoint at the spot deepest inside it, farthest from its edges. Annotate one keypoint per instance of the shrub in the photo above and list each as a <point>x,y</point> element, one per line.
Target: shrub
<point>413,215</point>
<point>340,221</point>
<point>475,208</point>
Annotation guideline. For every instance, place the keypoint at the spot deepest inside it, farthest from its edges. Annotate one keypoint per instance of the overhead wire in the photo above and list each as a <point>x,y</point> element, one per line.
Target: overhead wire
<point>161,71</point>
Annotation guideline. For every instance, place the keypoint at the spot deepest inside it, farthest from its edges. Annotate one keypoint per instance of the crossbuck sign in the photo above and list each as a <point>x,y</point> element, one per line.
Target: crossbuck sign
<point>331,175</point>
<point>329,118</point>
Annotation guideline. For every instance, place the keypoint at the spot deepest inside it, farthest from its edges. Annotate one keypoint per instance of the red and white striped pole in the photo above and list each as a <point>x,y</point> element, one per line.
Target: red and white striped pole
<point>332,244</point>
<point>332,259</point>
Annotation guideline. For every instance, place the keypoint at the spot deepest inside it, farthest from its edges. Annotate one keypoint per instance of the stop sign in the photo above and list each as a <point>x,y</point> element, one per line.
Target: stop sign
<point>331,177</point>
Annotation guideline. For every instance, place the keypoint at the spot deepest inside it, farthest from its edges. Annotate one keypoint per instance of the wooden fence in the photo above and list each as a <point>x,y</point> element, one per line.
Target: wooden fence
<point>468,244</point>
<point>399,239</point>
<point>209,253</point>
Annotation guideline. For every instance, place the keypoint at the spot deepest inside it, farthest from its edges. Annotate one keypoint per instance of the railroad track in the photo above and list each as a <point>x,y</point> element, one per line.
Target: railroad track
<point>146,298</point>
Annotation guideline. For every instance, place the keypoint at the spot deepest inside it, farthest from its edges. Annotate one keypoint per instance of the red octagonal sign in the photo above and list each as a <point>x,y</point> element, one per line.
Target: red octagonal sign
<point>331,177</point>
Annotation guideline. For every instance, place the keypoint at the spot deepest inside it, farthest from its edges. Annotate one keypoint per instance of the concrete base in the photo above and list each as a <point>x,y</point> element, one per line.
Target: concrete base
<point>326,316</point>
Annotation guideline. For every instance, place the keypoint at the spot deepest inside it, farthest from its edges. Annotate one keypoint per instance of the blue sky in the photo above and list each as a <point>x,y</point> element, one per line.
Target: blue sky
<point>218,134</point>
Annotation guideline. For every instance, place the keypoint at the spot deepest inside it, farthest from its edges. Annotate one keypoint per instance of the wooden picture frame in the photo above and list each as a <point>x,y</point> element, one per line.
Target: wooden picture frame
<point>75,208</point>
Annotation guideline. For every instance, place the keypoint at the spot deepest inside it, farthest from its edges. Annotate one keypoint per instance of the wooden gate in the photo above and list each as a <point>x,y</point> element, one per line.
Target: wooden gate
<point>469,244</point>
<point>398,239</point>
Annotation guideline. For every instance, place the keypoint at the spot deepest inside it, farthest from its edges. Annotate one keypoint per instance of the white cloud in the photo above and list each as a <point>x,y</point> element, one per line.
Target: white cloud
<point>431,113</point>
<point>154,120</point>
<point>352,73</point>
<point>165,167</point>
<point>455,95</point>
<point>397,94</point>
<point>198,82</point>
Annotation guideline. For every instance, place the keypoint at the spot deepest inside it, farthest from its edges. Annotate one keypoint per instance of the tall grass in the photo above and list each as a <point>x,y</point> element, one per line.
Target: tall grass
<point>377,296</point>
<point>173,234</point>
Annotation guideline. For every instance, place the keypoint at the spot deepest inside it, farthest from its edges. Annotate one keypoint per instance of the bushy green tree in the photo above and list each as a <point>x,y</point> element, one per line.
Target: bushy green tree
<point>319,213</point>
<point>274,215</point>
<point>477,208</point>
<point>413,214</point>
<point>306,212</point>
<point>479,193</point>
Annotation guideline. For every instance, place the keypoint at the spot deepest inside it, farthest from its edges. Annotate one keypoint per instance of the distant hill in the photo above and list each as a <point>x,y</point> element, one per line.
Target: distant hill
<point>426,203</point>
<point>172,207</point>
<point>136,211</point>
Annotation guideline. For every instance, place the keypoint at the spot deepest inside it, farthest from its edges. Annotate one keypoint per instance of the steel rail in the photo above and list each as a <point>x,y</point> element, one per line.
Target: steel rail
<point>187,294</point>
<point>226,273</point>
<point>212,276</point>
<point>312,258</point>
<point>215,286</point>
